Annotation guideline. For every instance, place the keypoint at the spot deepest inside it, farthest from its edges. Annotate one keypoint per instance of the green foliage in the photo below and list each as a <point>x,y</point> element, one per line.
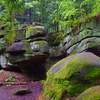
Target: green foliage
<point>7,17</point>
<point>74,12</point>
<point>56,15</point>
<point>56,38</point>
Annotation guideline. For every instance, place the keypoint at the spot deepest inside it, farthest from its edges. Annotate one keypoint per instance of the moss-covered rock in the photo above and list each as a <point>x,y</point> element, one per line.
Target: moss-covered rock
<point>72,75</point>
<point>40,46</point>
<point>35,31</point>
<point>54,39</point>
<point>92,93</point>
<point>87,44</point>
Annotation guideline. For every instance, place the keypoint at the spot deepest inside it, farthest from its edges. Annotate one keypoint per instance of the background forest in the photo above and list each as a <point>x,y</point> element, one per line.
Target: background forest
<point>55,15</point>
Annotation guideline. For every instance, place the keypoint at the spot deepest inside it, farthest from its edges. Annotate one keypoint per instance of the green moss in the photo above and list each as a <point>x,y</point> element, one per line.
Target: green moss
<point>69,68</point>
<point>90,94</point>
<point>68,77</point>
<point>93,73</point>
<point>55,89</point>
<point>11,78</point>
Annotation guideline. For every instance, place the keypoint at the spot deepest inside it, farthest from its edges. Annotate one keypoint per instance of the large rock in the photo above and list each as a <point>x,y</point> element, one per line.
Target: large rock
<point>28,59</point>
<point>91,44</point>
<point>17,50</point>
<point>17,46</point>
<point>69,40</point>
<point>40,46</point>
<point>92,93</point>
<point>72,75</point>
<point>88,39</point>
<point>34,31</point>
<point>55,38</point>
<point>56,52</point>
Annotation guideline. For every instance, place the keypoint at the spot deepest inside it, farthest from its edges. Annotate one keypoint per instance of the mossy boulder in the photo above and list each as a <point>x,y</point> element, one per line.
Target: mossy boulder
<point>55,38</point>
<point>19,51</point>
<point>91,44</point>
<point>56,52</point>
<point>92,93</point>
<point>34,31</point>
<point>72,75</point>
<point>40,46</point>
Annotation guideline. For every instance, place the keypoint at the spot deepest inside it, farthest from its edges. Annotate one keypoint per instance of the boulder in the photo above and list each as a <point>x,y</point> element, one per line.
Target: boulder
<point>18,46</point>
<point>40,46</point>
<point>38,39</point>
<point>70,43</point>
<point>72,75</point>
<point>27,59</point>
<point>55,38</point>
<point>17,50</point>
<point>30,61</point>
<point>56,52</point>
<point>93,42</point>
<point>31,65</point>
<point>89,44</point>
<point>92,93</point>
<point>86,40</point>
<point>34,31</point>
<point>20,34</point>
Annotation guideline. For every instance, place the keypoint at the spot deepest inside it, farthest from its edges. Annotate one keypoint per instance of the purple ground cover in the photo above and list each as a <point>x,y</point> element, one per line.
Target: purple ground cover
<point>7,92</point>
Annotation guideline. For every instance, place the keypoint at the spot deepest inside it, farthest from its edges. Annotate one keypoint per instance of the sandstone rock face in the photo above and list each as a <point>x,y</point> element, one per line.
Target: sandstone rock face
<point>72,75</point>
<point>35,31</point>
<point>30,54</point>
<point>40,46</point>
<point>17,46</point>
<point>56,52</point>
<point>87,39</point>
<point>91,44</point>
<point>28,50</point>
<point>17,51</point>
<point>28,60</point>
<point>92,93</point>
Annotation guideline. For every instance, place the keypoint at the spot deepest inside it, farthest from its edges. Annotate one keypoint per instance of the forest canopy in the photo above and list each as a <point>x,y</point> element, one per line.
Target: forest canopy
<point>55,15</point>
